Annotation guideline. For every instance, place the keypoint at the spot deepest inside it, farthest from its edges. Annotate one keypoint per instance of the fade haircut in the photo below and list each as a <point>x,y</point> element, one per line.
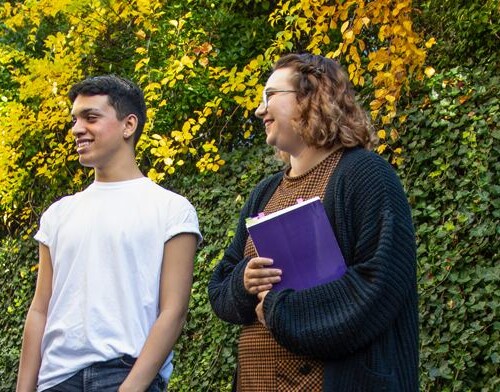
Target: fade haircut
<point>123,95</point>
<point>329,114</point>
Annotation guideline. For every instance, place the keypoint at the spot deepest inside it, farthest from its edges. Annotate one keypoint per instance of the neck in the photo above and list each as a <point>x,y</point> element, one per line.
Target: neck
<point>124,171</point>
<point>308,158</point>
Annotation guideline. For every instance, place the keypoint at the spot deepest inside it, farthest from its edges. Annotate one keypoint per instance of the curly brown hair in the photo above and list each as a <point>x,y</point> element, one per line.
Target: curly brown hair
<point>329,113</point>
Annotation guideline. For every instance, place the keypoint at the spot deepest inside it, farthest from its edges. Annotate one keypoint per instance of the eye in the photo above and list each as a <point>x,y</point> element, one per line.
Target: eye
<point>92,118</point>
<point>73,120</point>
<point>270,93</point>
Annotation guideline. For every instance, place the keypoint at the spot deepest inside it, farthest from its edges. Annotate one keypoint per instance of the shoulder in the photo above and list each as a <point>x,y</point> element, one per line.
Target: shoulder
<point>358,164</point>
<point>356,158</point>
<point>363,174</point>
<point>164,195</point>
<point>62,204</point>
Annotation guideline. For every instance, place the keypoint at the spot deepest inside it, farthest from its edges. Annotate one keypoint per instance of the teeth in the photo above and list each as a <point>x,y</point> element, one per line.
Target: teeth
<point>81,145</point>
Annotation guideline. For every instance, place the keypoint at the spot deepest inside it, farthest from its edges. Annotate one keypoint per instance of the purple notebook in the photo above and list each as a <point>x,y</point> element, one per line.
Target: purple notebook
<point>302,244</point>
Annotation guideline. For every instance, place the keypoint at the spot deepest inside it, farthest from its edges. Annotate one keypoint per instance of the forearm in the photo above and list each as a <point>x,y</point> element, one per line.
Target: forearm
<point>158,345</point>
<point>329,321</point>
<point>228,296</point>
<point>29,364</point>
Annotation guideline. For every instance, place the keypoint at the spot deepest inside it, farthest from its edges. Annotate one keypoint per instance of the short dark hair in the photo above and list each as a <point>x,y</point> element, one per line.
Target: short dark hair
<point>125,97</point>
<point>329,112</point>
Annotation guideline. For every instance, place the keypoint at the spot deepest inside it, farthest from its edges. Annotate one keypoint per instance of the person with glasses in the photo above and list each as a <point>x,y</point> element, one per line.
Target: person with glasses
<point>357,333</point>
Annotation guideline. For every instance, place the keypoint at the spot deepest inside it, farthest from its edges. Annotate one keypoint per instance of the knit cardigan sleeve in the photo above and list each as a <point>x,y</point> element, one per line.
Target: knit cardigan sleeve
<point>228,297</point>
<point>370,215</point>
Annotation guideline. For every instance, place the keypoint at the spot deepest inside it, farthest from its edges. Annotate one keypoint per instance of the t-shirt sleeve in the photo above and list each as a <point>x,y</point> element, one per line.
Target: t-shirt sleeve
<point>183,219</point>
<point>43,233</point>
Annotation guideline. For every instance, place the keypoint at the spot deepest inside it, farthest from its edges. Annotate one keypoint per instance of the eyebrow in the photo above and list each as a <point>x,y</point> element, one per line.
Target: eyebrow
<point>86,111</point>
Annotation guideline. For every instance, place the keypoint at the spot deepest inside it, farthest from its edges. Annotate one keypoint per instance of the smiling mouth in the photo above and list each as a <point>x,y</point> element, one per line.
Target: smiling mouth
<point>82,145</point>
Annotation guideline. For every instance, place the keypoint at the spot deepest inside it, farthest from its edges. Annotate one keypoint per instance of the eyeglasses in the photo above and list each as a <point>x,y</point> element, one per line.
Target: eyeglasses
<point>266,94</point>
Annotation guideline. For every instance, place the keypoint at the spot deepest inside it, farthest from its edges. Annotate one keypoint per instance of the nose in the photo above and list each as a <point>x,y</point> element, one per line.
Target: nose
<point>77,129</point>
<point>261,110</point>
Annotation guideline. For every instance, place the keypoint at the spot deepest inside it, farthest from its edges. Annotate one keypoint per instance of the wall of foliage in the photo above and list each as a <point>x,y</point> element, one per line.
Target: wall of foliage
<point>202,65</point>
<point>428,77</point>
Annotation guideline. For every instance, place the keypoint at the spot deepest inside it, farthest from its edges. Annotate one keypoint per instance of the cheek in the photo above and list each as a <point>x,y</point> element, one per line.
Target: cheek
<point>292,122</point>
<point>290,109</point>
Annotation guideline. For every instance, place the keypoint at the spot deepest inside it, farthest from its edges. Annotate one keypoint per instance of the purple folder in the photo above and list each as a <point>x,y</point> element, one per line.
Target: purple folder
<point>302,244</point>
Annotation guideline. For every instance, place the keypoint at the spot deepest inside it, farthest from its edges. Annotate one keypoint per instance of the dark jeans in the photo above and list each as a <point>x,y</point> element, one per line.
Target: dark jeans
<point>104,377</point>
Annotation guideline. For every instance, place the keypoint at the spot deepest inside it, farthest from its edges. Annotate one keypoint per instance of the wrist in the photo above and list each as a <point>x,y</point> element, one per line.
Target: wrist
<point>129,386</point>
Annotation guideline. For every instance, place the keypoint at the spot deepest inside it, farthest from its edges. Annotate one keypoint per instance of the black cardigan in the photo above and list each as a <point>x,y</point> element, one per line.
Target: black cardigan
<point>364,326</point>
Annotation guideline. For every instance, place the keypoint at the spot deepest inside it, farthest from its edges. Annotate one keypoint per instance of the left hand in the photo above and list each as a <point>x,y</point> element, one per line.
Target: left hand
<point>259,310</point>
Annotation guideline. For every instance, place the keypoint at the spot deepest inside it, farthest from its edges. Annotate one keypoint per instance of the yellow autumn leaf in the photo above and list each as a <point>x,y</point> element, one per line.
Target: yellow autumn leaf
<point>187,61</point>
<point>344,27</point>
<point>375,104</point>
<point>361,45</point>
<point>140,34</point>
<point>429,71</point>
<point>397,160</point>
<point>337,53</point>
<point>380,92</point>
<point>390,98</point>
<point>430,43</point>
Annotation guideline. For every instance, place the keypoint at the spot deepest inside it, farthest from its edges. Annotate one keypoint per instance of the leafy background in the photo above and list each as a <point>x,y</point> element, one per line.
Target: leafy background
<point>202,65</point>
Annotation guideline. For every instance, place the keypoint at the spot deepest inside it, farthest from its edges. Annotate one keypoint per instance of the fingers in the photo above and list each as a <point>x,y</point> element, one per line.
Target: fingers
<point>259,310</point>
<point>258,276</point>
<point>259,262</point>
<point>262,295</point>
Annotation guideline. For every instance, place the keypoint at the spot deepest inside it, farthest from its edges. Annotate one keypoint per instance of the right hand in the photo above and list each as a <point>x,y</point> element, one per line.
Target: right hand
<point>259,277</point>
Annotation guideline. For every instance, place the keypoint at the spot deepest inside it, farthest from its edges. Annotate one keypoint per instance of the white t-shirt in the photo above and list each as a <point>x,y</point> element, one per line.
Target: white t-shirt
<point>106,245</point>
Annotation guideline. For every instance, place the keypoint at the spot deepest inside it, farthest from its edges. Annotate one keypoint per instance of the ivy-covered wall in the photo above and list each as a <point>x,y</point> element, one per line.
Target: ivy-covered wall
<point>18,259</point>
<point>451,175</point>
<point>449,135</point>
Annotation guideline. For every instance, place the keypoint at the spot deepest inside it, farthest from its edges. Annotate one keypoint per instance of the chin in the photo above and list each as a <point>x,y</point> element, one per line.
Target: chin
<point>85,162</point>
<point>271,141</point>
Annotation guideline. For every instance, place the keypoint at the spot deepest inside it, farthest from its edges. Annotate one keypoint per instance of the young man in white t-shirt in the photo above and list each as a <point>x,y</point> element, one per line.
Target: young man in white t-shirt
<point>116,261</point>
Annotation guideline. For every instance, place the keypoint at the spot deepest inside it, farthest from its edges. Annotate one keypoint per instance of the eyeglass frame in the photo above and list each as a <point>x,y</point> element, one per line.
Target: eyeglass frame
<point>265,97</point>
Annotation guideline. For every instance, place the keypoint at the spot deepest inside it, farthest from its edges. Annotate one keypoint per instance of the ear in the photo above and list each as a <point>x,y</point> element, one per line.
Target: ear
<point>130,125</point>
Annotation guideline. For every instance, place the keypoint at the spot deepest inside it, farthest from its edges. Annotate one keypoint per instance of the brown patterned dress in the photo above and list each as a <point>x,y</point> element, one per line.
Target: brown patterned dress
<point>264,365</point>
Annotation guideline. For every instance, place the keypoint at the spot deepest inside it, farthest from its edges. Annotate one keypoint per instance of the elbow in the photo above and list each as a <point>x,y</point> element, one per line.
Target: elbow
<point>174,317</point>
